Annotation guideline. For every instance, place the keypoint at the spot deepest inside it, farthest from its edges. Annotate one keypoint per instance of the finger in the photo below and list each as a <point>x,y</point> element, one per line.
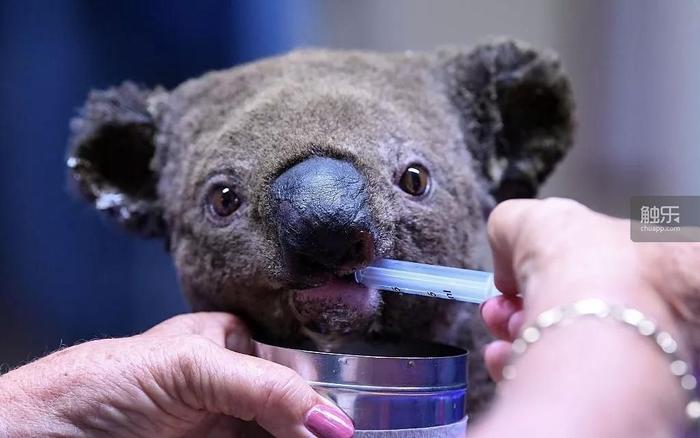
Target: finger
<point>222,328</point>
<point>253,389</point>
<point>504,227</point>
<point>497,313</point>
<point>496,356</point>
<point>515,324</point>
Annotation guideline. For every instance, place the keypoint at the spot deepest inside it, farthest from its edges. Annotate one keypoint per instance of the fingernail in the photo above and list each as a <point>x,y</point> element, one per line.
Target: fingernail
<point>507,304</point>
<point>327,422</point>
<point>515,323</point>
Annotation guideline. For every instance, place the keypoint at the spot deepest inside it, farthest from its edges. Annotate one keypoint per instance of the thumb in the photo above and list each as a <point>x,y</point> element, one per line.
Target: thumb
<point>252,389</point>
<point>504,229</point>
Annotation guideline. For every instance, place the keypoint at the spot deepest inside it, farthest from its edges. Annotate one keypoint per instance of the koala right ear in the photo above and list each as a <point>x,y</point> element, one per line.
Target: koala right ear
<point>516,107</point>
<point>111,154</point>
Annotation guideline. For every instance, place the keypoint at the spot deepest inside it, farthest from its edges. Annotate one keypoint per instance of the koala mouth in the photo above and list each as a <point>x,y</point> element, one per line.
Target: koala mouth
<point>335,311</point>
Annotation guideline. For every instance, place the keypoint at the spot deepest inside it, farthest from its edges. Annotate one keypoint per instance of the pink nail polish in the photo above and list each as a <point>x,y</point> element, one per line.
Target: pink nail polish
<point>327,422</point>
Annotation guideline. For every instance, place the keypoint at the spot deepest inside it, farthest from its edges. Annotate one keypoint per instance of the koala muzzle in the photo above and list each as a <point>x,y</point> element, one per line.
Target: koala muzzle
<point>320,211</point>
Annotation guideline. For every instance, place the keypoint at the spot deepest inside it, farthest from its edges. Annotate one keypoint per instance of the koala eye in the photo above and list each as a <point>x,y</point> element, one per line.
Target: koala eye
<point>415,180</point>
<point>222,201</point>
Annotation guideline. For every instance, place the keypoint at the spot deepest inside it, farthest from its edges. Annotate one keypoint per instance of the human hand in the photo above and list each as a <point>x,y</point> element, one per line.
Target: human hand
<point>177,378</point>
<point>555,251</point>
<point>588,378</point>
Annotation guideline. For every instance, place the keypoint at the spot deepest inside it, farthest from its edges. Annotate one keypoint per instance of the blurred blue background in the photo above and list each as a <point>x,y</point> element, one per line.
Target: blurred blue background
<point>67,275</point>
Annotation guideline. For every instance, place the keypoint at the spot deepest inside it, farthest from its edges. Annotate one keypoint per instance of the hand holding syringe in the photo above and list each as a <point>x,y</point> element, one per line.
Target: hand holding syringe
<point>428,280</point>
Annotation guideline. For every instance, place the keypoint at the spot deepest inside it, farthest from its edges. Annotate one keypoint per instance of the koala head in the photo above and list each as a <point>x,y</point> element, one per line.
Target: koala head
<point>273,182</point>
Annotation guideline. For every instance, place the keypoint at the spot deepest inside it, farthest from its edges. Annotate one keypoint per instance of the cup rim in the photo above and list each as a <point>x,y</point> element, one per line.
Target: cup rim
<point>458,352</point>
<point>372,373</point>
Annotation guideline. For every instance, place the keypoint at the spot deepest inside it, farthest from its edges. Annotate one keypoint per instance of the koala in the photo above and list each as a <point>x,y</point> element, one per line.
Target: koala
<point>272,182</point>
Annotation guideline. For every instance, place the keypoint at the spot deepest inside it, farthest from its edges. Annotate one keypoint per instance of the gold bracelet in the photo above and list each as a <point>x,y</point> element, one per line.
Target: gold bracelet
<point>593,307</point>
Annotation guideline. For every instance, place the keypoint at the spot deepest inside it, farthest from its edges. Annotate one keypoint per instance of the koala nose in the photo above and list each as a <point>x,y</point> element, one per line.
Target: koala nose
<point>319,207</point>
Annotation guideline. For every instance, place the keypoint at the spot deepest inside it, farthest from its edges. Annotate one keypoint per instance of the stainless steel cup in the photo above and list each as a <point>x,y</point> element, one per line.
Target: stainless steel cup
<point>413,387</point>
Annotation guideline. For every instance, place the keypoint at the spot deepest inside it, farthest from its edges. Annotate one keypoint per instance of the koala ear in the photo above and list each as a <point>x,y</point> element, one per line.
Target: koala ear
<point>111,155</point>
<point>516,109</point>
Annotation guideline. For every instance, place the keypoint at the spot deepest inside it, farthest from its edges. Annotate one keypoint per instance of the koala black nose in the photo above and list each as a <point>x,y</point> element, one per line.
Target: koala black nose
<point>322,218</point>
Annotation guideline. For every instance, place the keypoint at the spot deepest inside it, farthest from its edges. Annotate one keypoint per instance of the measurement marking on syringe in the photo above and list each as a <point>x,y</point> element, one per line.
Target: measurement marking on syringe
<point>428,280</point>
<point>448,293</point>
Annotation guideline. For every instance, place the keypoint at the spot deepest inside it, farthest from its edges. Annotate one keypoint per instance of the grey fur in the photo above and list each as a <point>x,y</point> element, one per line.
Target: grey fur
<point>489,124</point>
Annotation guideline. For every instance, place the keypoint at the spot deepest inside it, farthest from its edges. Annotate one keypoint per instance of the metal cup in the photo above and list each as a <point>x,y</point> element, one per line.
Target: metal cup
<point>417,386</point>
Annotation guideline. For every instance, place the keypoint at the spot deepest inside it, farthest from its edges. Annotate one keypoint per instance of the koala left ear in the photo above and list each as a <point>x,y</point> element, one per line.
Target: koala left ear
<point>516,109</point>
<point>111,155</point>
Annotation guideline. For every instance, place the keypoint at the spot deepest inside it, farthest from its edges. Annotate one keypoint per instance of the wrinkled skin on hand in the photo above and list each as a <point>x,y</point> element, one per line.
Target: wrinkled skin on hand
<point>553,253</point>
<point>177,379</point>
<point>556,251</point>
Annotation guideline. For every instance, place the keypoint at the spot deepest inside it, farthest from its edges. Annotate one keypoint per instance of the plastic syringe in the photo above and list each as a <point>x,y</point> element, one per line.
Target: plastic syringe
<point>428,280</point>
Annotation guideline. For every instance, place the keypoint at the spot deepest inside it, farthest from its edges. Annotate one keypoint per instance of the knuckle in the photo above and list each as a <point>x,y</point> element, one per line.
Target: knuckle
<point>191,351</point>
<point>515,211</point>
<point>564,206</point>
<point>226,317</point>
<point>199,318</point>
<point>283,389</point>
<point>196,343</point>
<point>557,217</point>
<point>500,217</point>
<point>191,370</point>
<point>175,324</point>
<point>502,210</point>
<point>540,230</point>
<point>182,318</point>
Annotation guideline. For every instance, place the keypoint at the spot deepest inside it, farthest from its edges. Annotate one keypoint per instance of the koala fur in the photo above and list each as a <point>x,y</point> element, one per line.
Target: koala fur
<point>488,123</point>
